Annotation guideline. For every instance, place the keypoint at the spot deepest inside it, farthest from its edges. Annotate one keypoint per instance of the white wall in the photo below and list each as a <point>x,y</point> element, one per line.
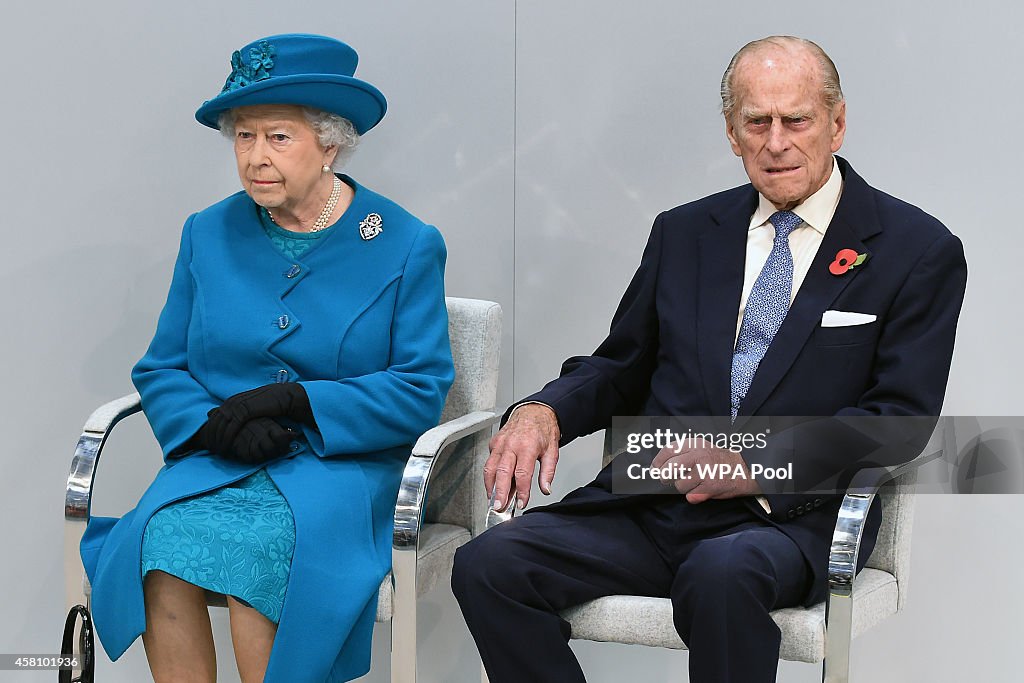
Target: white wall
<point>542,138</point>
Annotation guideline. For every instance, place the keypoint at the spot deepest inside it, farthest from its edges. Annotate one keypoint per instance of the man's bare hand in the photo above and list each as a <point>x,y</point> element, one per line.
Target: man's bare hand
<point>531,434</point>
<point>698,490</point>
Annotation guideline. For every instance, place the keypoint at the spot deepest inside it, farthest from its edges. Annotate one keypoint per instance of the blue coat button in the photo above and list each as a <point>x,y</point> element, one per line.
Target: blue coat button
<point>281,377</point>
<point>293,271</point>
<point>283,322</point>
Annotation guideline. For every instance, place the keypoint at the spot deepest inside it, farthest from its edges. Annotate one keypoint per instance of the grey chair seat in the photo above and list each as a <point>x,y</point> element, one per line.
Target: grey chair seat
<point>803,630</point>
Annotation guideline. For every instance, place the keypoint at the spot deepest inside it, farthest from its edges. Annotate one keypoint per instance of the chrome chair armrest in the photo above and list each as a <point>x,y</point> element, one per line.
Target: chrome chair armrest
<point>842,569</point>
<point>846,540</point>
<point>413,491</point>
<point>78,497</point>
<point>853,513</point>
<point>409,511</point>
<point>433,441</point>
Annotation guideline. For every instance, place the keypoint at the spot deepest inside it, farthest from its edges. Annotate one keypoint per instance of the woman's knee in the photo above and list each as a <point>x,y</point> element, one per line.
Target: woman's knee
<point>161,588</point>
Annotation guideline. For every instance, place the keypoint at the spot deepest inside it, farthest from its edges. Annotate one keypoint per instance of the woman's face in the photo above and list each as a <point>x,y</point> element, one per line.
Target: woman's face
<point>280,160</point>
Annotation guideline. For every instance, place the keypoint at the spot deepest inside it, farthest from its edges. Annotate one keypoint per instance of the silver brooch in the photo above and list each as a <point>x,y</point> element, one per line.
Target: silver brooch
<point>371,226</point>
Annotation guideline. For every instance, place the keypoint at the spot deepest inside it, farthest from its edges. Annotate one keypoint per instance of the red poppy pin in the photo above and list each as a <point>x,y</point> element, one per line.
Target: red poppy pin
<point>846,259</point>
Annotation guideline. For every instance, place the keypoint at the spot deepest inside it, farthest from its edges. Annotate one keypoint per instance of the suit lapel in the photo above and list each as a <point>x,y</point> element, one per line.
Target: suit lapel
<point>722,251</point>
<point>854,222</point>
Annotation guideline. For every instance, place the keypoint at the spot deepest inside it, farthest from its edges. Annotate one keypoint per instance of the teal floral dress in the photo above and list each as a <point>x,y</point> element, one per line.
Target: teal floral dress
<point>237,540</point>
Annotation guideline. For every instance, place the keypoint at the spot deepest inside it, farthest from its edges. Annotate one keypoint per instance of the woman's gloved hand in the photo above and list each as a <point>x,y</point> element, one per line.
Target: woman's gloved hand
<point>226,422</point>
<point>257,441</point>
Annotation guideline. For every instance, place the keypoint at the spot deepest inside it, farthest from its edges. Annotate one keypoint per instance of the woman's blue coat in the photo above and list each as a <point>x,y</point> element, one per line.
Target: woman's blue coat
<point>361,324</point>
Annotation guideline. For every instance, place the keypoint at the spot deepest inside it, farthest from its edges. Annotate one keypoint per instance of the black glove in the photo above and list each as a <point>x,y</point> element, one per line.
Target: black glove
<point>257,441</point>
<point>225,423</point>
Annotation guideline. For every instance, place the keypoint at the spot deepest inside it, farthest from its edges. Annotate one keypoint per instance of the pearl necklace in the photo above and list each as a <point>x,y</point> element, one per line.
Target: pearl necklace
<point>325,215</point>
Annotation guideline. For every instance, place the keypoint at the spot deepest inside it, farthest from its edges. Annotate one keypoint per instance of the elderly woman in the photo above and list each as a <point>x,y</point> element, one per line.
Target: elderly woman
<point>302,349</point>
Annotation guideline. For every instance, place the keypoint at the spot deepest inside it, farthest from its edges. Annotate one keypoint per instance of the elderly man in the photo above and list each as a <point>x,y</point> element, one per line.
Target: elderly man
<point>806,292</point>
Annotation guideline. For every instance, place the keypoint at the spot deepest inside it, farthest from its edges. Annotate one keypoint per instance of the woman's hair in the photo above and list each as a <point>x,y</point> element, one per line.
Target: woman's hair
<point>331,129</point>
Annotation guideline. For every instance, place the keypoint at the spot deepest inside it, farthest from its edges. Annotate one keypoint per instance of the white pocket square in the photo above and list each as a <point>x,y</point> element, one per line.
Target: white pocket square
<point>846,318</point>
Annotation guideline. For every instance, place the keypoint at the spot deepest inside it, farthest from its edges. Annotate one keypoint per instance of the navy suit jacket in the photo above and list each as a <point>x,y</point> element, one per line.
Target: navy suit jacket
<point>669,349</point>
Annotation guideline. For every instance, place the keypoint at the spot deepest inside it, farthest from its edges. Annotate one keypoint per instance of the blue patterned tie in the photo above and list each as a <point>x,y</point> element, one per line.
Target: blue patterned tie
<point>766,308</point>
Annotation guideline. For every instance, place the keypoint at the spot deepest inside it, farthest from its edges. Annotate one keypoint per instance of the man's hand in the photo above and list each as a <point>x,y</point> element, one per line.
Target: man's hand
<point>698,490</point>
<point>531,434</point>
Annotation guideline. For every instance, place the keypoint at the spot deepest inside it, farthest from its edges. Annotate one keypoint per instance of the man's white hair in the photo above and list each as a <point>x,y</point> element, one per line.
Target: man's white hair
<point>831,91</point>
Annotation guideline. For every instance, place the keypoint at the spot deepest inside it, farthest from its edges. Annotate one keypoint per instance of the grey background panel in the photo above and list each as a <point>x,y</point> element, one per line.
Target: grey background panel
<point>542,138</point>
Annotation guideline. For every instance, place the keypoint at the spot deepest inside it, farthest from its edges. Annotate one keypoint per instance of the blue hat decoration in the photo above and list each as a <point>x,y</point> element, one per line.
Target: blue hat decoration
<point>298,68</point>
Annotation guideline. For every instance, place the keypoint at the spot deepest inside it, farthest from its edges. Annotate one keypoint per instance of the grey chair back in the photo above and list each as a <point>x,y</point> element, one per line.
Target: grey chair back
<point>456,491</point>
<point>892,548</point>
<point>474,327</point>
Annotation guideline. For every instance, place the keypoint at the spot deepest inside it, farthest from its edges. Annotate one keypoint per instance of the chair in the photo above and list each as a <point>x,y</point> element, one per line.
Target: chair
<point>821,633</point>
<point>447,459</point>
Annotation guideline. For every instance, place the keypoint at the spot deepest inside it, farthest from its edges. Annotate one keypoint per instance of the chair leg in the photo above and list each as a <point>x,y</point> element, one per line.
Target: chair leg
<point>403,650</point>
<point>76,586</point>
<point>403,618</point>
<point>838,634</point>
<point>75,580</point>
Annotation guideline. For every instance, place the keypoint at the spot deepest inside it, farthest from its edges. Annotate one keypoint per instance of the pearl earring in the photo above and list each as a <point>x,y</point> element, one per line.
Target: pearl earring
<point>326,169</point>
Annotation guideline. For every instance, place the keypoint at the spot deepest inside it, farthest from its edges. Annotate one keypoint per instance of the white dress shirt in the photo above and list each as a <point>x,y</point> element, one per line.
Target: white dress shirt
<point>816,212</point>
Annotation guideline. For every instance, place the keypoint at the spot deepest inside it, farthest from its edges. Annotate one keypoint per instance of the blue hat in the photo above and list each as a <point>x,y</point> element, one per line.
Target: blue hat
<point>298,68</point>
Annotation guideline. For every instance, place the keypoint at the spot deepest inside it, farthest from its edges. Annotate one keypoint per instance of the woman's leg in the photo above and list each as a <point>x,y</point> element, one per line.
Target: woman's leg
<point>252,636</point>
<point>178,637</point>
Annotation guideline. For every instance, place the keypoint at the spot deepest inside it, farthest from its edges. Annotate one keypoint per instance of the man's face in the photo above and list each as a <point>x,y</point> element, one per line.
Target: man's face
<point>780,125</point>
